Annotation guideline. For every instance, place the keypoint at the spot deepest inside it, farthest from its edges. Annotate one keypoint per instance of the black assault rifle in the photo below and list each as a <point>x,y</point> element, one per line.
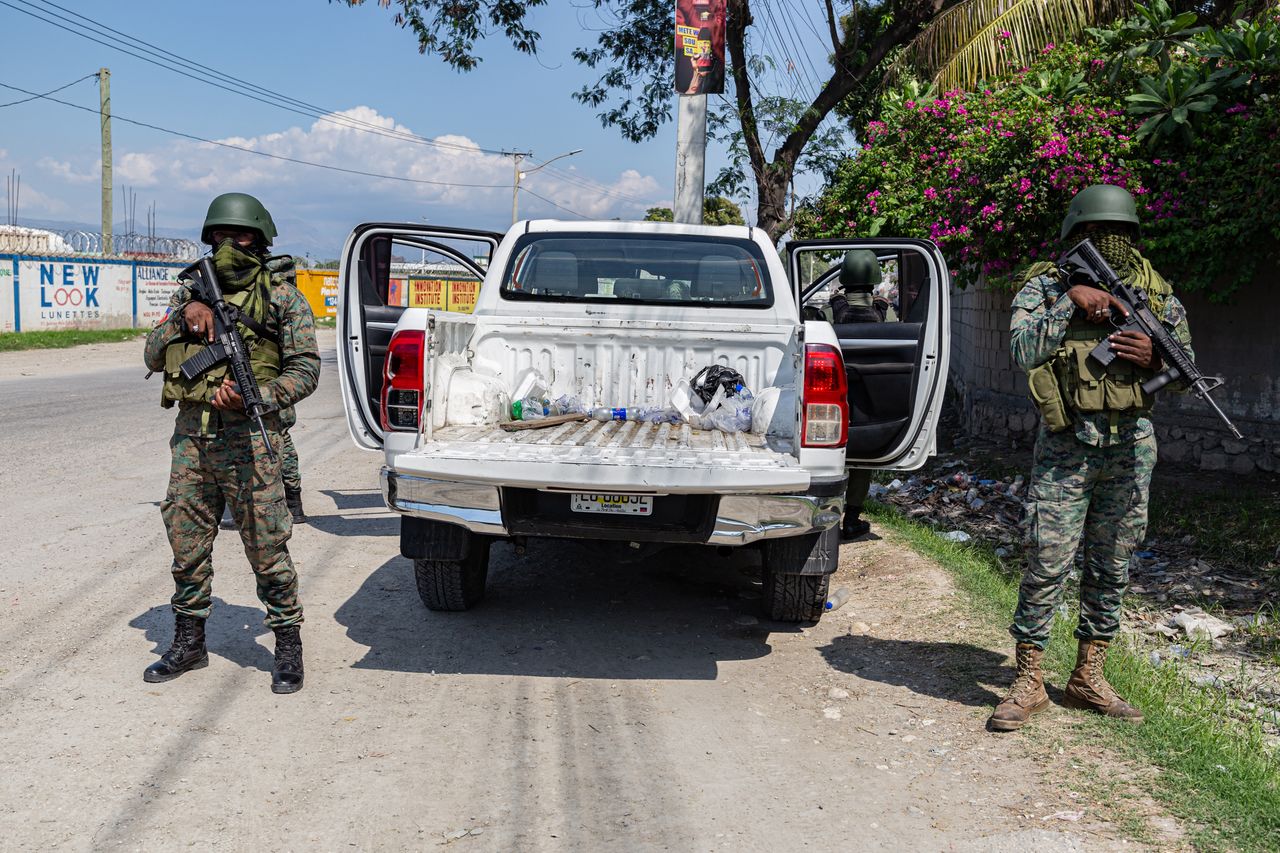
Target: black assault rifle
<point>228,344</point>
<point>1084,264</point>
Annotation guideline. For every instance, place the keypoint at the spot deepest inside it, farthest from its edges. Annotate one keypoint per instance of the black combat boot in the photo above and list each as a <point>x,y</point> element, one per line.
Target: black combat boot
<point>854,527</point>
<point>293,498</point>
<point>187,651</point>
<point>286,676</point>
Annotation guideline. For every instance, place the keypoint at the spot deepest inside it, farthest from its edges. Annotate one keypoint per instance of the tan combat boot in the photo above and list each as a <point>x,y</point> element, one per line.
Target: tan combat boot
<point>1088,688</point>
<point>1026,696</point>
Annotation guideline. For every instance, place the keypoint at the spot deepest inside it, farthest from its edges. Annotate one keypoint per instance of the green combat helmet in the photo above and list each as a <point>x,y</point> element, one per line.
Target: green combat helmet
<point>860,270</point>
<point>1100,203</point>
<point>238,210</point>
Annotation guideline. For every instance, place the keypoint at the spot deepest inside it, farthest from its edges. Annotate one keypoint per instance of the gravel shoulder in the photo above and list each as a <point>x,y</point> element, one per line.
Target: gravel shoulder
<point>584,706</point>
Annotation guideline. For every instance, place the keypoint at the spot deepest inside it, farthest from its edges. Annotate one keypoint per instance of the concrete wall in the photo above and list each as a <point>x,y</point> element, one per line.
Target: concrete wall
<point>1238,341</point>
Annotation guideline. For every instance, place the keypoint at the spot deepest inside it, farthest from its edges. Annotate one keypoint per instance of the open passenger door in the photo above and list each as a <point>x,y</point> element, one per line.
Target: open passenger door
<point>385,270</point>
<point>897,368</point>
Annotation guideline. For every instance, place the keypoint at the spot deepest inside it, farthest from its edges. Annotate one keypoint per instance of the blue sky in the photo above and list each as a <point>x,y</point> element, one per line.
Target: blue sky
<point>352,61</point>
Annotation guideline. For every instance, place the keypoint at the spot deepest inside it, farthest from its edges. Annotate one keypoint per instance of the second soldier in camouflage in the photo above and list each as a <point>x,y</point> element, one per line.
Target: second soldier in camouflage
<point>1095,452</point>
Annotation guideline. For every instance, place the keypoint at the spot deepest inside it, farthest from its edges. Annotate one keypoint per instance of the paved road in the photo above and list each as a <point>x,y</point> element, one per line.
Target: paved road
<point>585,706</point>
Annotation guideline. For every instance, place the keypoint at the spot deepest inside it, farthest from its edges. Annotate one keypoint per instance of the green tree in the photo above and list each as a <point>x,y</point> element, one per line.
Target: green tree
<point>716,210</point>
<point>633,51</point>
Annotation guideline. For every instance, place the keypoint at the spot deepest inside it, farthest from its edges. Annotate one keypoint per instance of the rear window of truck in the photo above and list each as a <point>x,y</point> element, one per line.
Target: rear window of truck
<point>646,269</point>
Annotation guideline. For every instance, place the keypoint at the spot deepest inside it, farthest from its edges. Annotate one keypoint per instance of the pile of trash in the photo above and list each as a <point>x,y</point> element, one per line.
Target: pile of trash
<point>963,505</point>
<point>717,398</point>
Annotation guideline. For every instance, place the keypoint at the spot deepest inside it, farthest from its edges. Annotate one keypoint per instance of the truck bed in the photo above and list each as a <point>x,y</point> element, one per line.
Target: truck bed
<point>626,456</point>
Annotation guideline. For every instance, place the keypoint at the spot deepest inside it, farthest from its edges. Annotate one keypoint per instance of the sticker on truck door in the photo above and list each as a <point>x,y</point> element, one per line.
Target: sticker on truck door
<point>612,504</point>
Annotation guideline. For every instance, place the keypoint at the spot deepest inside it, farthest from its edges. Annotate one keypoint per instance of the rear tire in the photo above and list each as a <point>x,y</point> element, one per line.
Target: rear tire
<point>795,598</point>
<point>454,585</point>
<point>797,575</point>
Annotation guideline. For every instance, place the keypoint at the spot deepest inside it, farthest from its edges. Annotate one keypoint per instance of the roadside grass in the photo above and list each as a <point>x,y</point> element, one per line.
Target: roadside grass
<point>1217,773</point>
<point>326,322</point>
<point>14,341</point>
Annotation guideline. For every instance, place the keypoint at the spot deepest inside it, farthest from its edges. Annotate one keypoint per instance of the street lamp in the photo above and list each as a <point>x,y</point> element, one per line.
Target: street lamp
<point>517,156</point>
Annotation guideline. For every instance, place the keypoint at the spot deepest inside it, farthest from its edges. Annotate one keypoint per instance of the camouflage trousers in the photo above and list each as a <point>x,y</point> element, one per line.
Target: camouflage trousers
<point>1100,493</point>
<point>855,494</point>
<point>232,468</point>
<point>289,472</point>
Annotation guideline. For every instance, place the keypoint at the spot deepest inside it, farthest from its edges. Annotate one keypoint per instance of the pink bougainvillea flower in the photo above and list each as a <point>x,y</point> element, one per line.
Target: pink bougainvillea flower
<point>930,193</point>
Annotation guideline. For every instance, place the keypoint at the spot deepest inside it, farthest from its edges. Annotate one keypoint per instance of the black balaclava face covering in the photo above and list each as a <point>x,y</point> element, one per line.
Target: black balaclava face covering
<point>1115,244</point>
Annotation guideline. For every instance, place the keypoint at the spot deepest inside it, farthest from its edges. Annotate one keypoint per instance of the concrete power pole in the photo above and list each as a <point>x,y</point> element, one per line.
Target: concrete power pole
<point>691,158</point>
<point>104,111</point>
<point>515,188</point>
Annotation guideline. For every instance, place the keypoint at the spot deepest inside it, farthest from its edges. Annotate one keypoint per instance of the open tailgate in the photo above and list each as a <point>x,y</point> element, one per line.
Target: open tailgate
<point>615,457</point>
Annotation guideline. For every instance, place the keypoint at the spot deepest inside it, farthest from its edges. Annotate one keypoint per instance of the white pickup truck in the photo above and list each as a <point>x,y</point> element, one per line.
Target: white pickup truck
<point>616,314</point>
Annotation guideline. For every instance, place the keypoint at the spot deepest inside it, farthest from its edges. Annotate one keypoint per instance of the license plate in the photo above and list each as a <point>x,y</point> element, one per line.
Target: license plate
<point>612,504</point>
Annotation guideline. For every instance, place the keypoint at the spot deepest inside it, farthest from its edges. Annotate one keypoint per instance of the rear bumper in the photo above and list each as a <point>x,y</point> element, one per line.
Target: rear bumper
<point>740,519</point>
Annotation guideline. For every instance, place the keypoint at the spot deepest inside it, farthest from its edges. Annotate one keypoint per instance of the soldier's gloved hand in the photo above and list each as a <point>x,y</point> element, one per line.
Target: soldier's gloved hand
<point>227,397</point>
<point>199,319</point>
<point>1095,303</point>
<point>1135,347</point>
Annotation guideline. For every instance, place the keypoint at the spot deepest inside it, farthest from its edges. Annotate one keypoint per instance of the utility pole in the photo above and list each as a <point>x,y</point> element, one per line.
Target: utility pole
<point>520,175</point>
<point>104,112</point>
<point>516,157</point>
<point>691,158</point>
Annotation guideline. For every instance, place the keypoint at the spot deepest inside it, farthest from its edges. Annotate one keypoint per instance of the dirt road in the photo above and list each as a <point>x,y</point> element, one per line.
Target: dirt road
<point>583,706</point>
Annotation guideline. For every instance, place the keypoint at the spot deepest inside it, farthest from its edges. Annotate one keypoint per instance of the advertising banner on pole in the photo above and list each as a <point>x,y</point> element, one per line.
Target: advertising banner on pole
<point>699,47</point>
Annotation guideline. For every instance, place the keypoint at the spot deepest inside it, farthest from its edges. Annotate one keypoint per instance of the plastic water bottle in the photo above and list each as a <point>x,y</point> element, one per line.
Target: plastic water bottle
<point>605,414</point>
<point>837,599</point>
<point>531,409</point>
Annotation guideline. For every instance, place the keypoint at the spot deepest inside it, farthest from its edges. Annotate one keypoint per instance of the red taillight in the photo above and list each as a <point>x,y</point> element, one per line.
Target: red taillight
<point>825,422</point>
<point>402,381</point>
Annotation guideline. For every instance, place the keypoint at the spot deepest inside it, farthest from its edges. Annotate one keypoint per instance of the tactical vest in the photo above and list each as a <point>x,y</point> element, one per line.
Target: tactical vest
<point>264,360</point>
<point>1071,381</point>
<point>861,308</point>
<point>1087,385</point>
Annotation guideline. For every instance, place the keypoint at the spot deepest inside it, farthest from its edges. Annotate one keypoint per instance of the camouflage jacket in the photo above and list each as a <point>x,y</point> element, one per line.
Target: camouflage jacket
<point>290,318</point>
<point>1041,312</point>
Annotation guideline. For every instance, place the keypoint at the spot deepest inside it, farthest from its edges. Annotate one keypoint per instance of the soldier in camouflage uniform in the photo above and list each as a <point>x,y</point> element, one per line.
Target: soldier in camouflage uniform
<point>282,271</point>
<point>218,456</point>
<point>1094,453</point>
<point>854,302</point>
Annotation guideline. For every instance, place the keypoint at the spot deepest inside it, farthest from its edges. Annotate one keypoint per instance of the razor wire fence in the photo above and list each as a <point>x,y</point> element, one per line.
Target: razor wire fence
<point>42,241</point>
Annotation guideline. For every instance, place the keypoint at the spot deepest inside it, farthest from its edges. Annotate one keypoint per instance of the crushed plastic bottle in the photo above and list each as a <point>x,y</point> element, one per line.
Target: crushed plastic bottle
<point>837,599</point>
<point>532,409</point>
<point>645,414</point>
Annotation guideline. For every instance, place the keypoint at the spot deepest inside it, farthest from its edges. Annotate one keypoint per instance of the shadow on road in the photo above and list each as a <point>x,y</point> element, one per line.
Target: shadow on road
<point>952,671</point>
<point>564,611</point>
<point>230,632</point>
<point>344,499</point>
<point>355,525</point>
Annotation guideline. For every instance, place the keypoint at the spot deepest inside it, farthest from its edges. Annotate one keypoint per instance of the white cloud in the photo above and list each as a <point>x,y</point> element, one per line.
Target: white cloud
<point>181,176</point>
<point>431,174</point>
<point>66,171</point>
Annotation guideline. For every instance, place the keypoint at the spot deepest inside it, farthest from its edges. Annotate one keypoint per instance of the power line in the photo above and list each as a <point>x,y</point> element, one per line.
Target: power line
<point>50,92</point>
<point>246,149</point>
<point>552,203</point>
<point>272,98</point>
<point>587,183</point>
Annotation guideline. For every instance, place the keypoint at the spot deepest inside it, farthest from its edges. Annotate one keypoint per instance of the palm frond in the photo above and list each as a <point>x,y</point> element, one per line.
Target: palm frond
<point>965,44</point>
